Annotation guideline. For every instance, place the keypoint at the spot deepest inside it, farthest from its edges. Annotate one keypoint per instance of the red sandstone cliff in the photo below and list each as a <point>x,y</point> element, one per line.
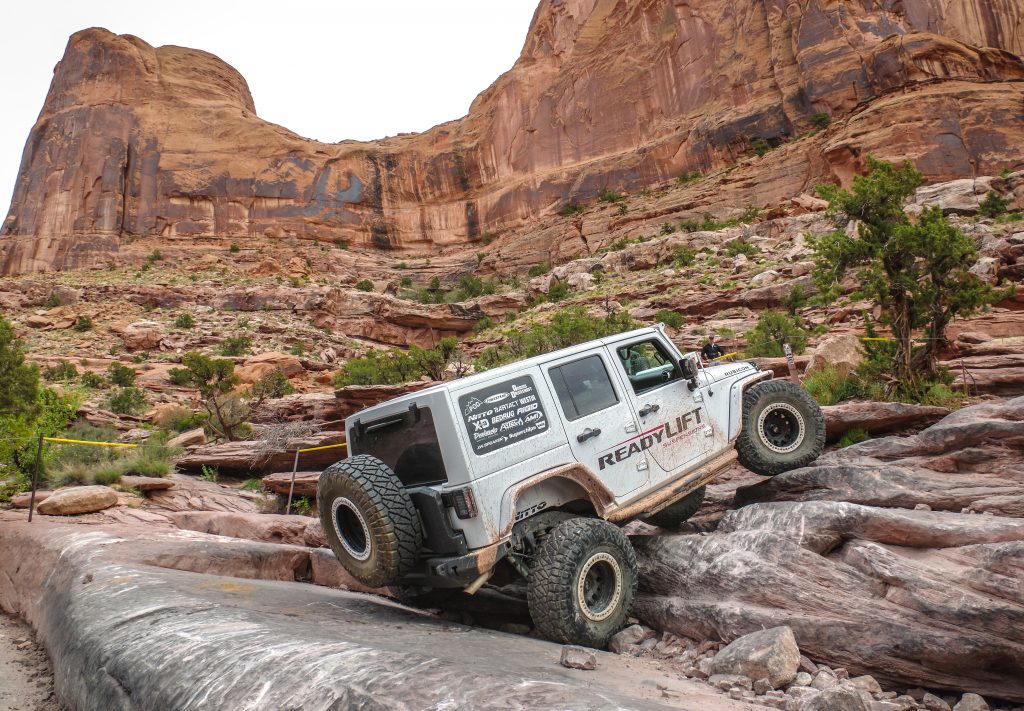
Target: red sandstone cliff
<point>607,93</point>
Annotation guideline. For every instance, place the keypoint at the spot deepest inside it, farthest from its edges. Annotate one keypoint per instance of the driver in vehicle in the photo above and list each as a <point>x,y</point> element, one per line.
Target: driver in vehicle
<point>711,350</point>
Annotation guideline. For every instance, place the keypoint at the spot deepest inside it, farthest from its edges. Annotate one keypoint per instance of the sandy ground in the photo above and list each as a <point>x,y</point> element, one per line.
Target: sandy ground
<point>26,679</point>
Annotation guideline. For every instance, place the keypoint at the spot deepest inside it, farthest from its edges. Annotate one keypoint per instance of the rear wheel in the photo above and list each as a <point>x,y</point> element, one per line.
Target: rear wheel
<point>679,512</point>
<point>582,582</point>
<point>783,428</point>
<point>369,520</point>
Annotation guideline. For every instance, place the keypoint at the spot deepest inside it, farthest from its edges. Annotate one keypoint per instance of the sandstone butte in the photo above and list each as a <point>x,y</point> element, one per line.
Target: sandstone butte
<point>141,141</point>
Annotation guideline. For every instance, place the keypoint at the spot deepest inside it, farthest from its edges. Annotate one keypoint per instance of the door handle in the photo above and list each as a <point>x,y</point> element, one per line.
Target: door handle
<point>587,434</point>
<point>648,409</point>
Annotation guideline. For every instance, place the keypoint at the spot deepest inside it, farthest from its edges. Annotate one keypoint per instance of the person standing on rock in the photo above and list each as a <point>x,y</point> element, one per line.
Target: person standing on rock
<point>711,350</point>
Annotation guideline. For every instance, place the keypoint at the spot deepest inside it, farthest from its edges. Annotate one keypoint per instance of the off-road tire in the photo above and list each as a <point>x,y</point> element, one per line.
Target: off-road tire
<point>677,513</point>
<point>361,500</point>
<point>767,449</point>
<point>553,586</point>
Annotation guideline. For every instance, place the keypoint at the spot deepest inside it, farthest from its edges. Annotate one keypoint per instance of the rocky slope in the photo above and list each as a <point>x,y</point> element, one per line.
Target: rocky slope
<point>165,142</point>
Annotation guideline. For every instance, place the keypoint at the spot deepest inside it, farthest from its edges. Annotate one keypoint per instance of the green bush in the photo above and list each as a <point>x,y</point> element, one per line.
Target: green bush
<point>558,291</point>
<point>93,381</point>
<point>63,372</point>
<point>470,287</point>
<point>821,120</point>
<point>539,269</point>
<point>739,246</point>
<point>234,248</point>
<point>795,299</point>
<point>760,147</point>
<point>405,282</point>
<point>571,208</point>
<point>482,325</point>
<point>993,205</point>
<point>828,386</point>
<point>121,375</point>
<point>364,285</point>
<point>772,330</point>
<point>154,256</point>
<point>683,257</point>
<point>83,324</point>
<point>53,301</point>
<point>235,345</point>
<point>209,473</point>
<point>394,366</point>
<point>127,401</point>
<point>854,436</point>
<point>253,484</point>
<point>606,195</point>
<point>298,349</point>
<point>184,320</point>
<point>686,177</point>
<point>669,318</point>
<point>273,384</point>
<point>83,464</point>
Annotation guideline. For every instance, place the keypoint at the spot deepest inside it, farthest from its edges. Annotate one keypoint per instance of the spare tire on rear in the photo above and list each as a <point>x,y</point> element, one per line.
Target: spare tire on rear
<point>783,428</point>
<point>369,520</point>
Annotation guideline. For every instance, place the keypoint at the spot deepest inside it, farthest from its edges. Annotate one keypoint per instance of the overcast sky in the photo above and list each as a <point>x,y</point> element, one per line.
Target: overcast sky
<point>358,69</point>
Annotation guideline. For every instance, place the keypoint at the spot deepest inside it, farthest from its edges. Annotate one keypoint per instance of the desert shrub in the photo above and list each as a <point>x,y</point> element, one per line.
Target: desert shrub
<point>854,436</point>
<point>93,381</point>
<point>126,401</point>
<point>209,473</point>
<point>760,147</point>
<point>253,484</point>
<point>394,366</point>
<point>993,205</point>
<point>829,386</point>
<point>539,269</point>
<point>795,299</point>
<point>273,384</point>
<point>298,349</point>
<point>234,248</point>
<point>302,505</point>
<point>106,475</point>
<point>571,208</point>
<point>482,325</point>
<point>683,257</point>
<point>772,330</point>
<point>364,285</point>
<point>62,372</point>
<point>558,291</point>
<point>52,301</point>
<point>154,256</point>
<point>606,195</point>
<point>235,345</point>
<point>184,320</point>
<point>686,177</point>
<point>121,375</point>
<point>821,120</point>
<point>83,324</point>
<point>739,246</point>
<point>669,318</point>
<point>471,286</point>
<point>405,282</point>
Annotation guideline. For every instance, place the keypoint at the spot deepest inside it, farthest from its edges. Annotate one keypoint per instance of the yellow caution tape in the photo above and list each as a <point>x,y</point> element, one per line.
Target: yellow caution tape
<point>326,446</point>
<point>865,338</point>
<point>727,355</point>
<point>83,441</point>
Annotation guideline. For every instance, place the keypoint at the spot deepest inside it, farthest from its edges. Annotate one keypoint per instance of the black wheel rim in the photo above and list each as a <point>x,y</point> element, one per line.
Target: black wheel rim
<point>781,428</point>
<point>351,529</point>
<point>599,587</point>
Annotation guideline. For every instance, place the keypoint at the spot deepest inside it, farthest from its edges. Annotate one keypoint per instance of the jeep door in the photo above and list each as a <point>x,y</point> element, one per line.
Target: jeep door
<point>674,426</point>
<point>598,419</point>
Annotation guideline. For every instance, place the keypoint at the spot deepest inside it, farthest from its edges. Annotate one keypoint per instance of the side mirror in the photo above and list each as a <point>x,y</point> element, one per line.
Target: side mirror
<point>688,367</point>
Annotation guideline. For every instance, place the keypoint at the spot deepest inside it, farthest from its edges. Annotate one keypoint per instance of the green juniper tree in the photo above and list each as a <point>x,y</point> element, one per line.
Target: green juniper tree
<point>917,272</point>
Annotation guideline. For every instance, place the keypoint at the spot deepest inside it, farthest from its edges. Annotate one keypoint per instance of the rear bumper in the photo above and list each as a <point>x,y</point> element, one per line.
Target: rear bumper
<point>457,571</point>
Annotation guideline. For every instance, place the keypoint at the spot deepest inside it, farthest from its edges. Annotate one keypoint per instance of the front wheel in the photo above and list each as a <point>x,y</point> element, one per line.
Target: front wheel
<point>783,428</point>
<point>582,582</point>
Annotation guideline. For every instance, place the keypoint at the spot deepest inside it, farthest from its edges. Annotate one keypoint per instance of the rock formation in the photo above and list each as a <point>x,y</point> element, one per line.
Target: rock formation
<point>135,140</point>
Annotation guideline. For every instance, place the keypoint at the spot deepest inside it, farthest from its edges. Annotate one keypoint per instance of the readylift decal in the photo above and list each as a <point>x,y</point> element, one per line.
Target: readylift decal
<point>663,433</point>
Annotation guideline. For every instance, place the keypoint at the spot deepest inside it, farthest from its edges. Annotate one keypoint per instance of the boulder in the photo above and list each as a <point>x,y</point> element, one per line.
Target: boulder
<point>971,702</point>
<point>190,493</point>
<point>842,352</point>
<point>574,657</point>
<point>633,635</point>
<point>858,586</point>
<point>269,528</point>
<point>835,700</point>
<point>246,457</point>
<point>21,501</point>
<point>78,500</point>
<point>281,483</point>
<point>770,654</point>
<point>142,335</point>
<point>146,483</point>
<point>769,276</point>
<point>264,364</point>
<point>189,438</point>
<point>955,197</point>
<point>877,417</point>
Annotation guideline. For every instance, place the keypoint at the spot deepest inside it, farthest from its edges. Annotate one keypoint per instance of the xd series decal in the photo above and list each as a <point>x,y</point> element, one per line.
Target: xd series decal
<point>502,414</point>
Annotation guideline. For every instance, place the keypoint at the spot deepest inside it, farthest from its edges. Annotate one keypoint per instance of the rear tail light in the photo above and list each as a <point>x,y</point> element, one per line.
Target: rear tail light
<point>462,501</point>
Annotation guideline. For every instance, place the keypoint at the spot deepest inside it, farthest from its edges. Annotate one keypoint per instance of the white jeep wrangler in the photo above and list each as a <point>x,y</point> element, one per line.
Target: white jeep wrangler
<point>531,468</point>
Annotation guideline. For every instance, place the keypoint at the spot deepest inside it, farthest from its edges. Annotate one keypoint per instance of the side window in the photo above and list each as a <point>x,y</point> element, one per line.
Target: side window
<point>583,387</point>
<point>647,365</point>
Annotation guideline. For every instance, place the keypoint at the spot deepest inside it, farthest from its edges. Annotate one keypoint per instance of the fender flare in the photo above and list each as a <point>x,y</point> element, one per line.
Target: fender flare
<point>595,491</point>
